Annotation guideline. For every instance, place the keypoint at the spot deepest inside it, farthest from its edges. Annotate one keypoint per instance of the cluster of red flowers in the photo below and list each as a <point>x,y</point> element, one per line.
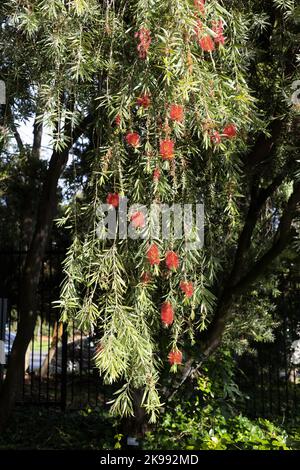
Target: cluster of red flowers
<point>144,37</point>
<point>200,5</point>
<point>172,260</point>
<point>206,43</point>
<point>166,149</point>
<point>175,357</point>
<point>153,255</point>
<point>229,132</point>
<point>144,101</point>
<point>118,120</point>
<point>113,199</point>
<point>215,137</point>
<point>133,139</point>
<point>218,29</point>
<point>188,288</point>
<point>167,313</point>
<point>176,112</point>
<point>138,219</point>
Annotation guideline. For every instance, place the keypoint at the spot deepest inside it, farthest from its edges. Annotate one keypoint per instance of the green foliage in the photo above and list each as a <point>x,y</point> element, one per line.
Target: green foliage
<point>205,429</point>
<point>206,424</point>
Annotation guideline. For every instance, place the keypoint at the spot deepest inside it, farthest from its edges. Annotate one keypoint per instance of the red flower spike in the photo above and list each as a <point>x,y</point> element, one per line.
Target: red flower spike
<point>200,5</point>
<point>144,101</point>
<point>230,131</point>
<point>153,255</point>
<point>133,139</point>
<point>198,30</point>
<point>138,219</point>
<point>218,29</point>
<point>176,112</point>
<point>144,37</point>
<point>118,120</point>
<point>167,149</point>
<point>146,278</point>
<point>216,138</point>
<point>207,44</point>
<point>175,357</point>
<point>187,288</point>
<point>172,260</point>
<point>113,199</point>
<point>167,313</point>
<point>156,174</point>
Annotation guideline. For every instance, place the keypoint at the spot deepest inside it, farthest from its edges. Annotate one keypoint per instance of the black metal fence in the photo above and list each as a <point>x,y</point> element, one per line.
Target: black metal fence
<point>271,377</point>
<point>59,361</point>
<point>59,366</point>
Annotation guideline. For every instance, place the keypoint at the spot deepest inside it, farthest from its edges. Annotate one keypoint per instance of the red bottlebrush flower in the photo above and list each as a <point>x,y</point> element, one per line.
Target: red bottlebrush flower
<point>156,174</point>
<point>118,120</point>
<point>215,138</point>
<point>146,278</point>
<point>144,36</point>
<point>230,131</point>
<point>172,260</point>
<point>176,112</point>
<point>167,313</point>
<point>167,149</point>
<point>133,139</point>
<point>187,288</point>
<point>153,255</point>
<point>198,29</point>
<point>113,199</point>
<point>218,29</point>
<point>138,219</point>
<point>175,357</point>
<point>144,101</point>
<point>200,5</point>
<point>207,44</point>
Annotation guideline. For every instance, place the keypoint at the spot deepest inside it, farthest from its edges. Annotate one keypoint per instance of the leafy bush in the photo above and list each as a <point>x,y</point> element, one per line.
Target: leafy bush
<point>210,421</point>
<point>209,429</point>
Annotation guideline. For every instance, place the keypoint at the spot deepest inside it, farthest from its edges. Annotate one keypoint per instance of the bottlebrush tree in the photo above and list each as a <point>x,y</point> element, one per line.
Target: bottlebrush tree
<point>180,102</point>
<point>176,79</point>
<point>176,111</point>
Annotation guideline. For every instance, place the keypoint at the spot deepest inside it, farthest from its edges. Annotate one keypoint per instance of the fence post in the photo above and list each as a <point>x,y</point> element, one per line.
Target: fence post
<point>64,360</point>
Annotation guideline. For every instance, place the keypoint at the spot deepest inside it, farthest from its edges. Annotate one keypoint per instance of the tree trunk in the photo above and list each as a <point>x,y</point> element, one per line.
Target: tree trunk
<point>32,271</point>
<point>29,285</point>
<point>136,426</point>
<point>57,334</point>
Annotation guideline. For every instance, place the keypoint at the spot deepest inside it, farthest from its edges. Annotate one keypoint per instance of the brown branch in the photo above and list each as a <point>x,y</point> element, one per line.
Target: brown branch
<point>281,240</point>
<point>37,138</point>
<point>264,145</point>
<point>257,201</point>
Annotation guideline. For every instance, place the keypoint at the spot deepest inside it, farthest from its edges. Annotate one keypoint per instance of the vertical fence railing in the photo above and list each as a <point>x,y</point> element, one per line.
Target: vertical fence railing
<point>59,366</point>
<point>269,378</point>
